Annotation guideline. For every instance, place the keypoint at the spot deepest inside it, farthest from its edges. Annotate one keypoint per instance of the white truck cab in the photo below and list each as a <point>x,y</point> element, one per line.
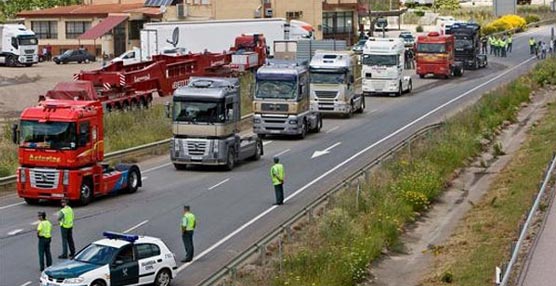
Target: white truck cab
<point>130,57</point>
<point>333,86</point>
<point>18,45</point>
<point>383,67</point>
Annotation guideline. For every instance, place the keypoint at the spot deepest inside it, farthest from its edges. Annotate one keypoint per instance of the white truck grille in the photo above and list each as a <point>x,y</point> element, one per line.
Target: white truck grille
<point>44,178</point>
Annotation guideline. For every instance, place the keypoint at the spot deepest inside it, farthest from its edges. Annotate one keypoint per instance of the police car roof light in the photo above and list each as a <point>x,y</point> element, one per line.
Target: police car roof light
<point>120,236</point>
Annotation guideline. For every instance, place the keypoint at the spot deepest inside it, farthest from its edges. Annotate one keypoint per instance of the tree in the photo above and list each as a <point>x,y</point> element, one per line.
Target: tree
<point>450,5</point>
<point>8,9</point>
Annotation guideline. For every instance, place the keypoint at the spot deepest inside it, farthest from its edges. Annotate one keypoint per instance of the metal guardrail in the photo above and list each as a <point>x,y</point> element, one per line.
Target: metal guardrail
<point>525,228</point>
<point>117,155</point>
<point>260,246</point>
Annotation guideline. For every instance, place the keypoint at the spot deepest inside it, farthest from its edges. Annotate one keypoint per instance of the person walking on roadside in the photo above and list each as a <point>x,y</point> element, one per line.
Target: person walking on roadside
<point>544,50</point>
<point>44,233</point>
<point>551,46</point>
<point>484,44</point>
<point>532,44</point>
<point>277,175</point>
<point>510,41</point>
<point>65,218</point>
<point>188,224</point>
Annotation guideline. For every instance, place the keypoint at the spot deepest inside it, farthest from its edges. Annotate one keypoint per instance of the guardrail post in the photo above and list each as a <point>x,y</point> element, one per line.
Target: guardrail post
<point>357,193</point>
<point>280,254</point>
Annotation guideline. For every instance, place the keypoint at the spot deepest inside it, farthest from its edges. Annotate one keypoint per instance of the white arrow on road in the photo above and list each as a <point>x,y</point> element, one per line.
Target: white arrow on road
<point>325,151</point>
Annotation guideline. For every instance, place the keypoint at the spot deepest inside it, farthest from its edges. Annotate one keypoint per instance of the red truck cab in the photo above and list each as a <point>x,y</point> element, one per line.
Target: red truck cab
<point>435,54</point>
<point>61,147</point>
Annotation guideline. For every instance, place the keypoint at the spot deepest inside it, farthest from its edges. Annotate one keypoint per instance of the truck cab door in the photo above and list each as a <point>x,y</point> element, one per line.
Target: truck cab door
<point>124,270</point>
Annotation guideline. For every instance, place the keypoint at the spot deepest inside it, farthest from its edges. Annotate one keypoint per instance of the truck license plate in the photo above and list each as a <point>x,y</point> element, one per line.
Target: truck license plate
<point>196,157</point>
<point>275,131</point>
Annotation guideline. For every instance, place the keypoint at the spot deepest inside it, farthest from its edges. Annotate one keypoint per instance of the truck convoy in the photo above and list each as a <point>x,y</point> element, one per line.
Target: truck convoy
<point>333,87</point>
<point>206,116</point>
<point>435,54</point>
<point>61,149</point>
<point>468,45</point>
<point>281,103</point>
<point>383,67</point>
<point>18,45</point>
<point>216,35</point>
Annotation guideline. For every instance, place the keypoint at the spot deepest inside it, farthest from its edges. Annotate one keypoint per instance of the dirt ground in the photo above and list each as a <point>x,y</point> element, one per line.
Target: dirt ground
<point>421,239</point>
<point>20,87</point>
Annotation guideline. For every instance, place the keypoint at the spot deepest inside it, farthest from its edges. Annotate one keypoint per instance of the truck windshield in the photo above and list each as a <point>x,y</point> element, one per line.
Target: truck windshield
<point>464,44</point>
<point>96,254</point>
<point>328,78</point>
<point>380,60</point>
<point>431,48</point>
<point>197,111</point>
<point>276,89</point>
<point>49,135</point>
<point>27,40</point>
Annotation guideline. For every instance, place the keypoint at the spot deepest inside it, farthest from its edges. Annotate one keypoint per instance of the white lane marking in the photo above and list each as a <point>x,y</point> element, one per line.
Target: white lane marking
<point>12,205</point>
<point>157,167</point>
<point>266,142</point>
<point>26,283</point>
<point>144,178</point>
<point>319,153</point>
<point>239,229</point>
<point>35,222</point>
<point>137,226</point>
<point>374,110</point>
<point>282,153</point>
<point>222,182</point>
<point>332,129</point>
<point>14,232</point>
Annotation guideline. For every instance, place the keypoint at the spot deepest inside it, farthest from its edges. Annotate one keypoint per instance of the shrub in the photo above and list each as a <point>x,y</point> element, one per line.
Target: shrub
<point>419,13</point>
<point>532,18</point>
<point>450,5</point>
<point>545,72</point>
<point>419,29</point>
<point>504,23</point>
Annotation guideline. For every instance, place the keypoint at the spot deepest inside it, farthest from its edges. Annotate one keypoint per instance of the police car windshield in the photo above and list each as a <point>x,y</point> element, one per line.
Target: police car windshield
<point>49,135</point>
<point>96,254</point>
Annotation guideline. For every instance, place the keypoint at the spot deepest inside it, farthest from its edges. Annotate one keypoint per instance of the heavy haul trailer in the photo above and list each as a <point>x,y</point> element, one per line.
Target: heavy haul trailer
<point>61,149</point>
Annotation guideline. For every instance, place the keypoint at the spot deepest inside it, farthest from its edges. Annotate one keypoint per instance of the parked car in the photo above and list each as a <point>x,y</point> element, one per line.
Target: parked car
<point>358,48</point>
<point>408,39</point>
<point>78,56</point>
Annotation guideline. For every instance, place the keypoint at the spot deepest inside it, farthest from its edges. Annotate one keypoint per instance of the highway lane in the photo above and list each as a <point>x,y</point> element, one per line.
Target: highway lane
<point>245,192</point>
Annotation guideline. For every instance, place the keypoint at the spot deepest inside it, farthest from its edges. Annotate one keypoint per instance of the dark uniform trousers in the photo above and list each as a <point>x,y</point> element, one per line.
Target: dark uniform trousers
<point>44,252</point>
<point>279,193</point>
<point>67,239</point>
<point>187,237</point>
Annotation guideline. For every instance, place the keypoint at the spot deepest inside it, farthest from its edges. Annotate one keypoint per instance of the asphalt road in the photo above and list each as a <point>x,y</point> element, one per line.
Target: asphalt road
<point>234,208</point>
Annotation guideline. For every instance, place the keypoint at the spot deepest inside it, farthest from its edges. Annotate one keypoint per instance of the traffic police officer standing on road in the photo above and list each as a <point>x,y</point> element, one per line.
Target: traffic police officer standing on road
<point>277,175</point>
<point>44,233</point>
<point>65,217</point>
<point>188,224</point>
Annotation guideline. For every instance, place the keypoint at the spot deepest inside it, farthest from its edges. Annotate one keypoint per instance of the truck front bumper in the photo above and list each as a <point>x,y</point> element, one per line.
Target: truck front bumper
<point>380,86</point>
<point>330,107</point>
<point>196,152</point>
<point>273,124</point>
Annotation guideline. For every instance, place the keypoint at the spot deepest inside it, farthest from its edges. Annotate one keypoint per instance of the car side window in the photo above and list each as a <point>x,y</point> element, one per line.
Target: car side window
<point>146,250</point>
<point>125,254</point>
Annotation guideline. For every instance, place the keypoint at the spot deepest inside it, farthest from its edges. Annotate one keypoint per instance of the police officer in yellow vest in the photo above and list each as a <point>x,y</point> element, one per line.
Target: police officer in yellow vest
<point>510,40</point>
<point>65,218</point>
<point>44,233</point>
<point>504,46</point>
<point>188,224</point>
<point>277,175</point>
<point>532,44</point>
<point>491,44</point>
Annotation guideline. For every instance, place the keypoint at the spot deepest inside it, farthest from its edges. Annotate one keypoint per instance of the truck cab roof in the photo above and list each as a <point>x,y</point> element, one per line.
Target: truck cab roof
<point>331,60</point>
<point>384,46</point>
<point>208,88</point>
<point>283,67</point>
<point>61,110</point>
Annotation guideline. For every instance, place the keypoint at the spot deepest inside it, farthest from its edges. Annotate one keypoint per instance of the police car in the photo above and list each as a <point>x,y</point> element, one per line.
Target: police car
<point>119,259</point>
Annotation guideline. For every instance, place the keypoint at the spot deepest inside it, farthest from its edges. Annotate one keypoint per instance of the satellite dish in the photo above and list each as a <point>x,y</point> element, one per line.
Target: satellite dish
<point>175,37</point>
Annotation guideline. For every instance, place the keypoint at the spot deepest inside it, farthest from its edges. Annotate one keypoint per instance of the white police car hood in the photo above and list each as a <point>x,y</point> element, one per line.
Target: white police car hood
<point>70,269</point>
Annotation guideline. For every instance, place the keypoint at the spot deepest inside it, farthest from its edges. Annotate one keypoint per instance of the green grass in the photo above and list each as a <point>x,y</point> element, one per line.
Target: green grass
<point>8,151</point>
<point>338,249</point>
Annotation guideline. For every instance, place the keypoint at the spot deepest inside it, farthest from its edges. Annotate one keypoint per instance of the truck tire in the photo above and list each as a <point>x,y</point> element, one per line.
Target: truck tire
<point>410,86</point>
<point>400,90</point>
<point>421,76</point>
<point>180,167</point>
<point>230,160</point>
<point>318,127</point>
<point>85,192</point>
<point>303,130</point>
<point>28,65</point>
<point>11,61</point>
<point>31,202</point>
<point>362,105</point>
<point>133,180</point>
<point>258,151</point>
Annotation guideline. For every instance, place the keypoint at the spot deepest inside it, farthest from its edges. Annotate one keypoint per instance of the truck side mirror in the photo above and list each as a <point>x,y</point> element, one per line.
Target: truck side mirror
<point>167,108</point>
<point>15,133</point>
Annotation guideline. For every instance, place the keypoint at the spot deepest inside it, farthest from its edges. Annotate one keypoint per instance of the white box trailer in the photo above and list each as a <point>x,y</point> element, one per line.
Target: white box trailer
<point>216,36</point>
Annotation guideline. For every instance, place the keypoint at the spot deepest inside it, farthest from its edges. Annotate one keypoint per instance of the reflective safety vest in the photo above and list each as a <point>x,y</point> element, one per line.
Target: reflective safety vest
<point>531,42</point>
<point>45,229</point>
<point>188,221</point>
<point>510,39</point>
<point>67,221</point>
<point>277,174</point>
<point>491,40</point>
<point>505,43</point>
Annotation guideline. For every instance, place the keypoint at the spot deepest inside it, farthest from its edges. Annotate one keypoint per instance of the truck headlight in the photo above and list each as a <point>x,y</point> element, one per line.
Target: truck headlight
<point>65,179</point>
<point>394,84</point>
<point>74,280</point>
<point>22,176</point>
<point>256,120</point>
<point>215,146</point>
<point>293,121</point>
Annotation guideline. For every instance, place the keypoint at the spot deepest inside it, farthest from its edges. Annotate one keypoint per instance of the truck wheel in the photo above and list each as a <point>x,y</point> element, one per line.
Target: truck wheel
<point>133,180</point>
<point>32,202</point>
<point>303,130</point>
<point>231,160</point>
<point>410,86</point>
<point>421,76</point>
<point>11,61</point>
<point>85,192</point>
<point>362,105</point>
<point>400,90</point>
<point>180,167</point>
<point>258,151</point>
<point>163,278</point>
<point>318,127</point>
<point>28,65</point>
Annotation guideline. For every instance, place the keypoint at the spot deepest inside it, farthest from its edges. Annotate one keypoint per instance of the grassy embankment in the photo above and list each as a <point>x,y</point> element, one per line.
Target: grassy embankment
<point>337,250</point>
<point>482,240</point>
<point>122,129</point>
<point>482,15</point>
